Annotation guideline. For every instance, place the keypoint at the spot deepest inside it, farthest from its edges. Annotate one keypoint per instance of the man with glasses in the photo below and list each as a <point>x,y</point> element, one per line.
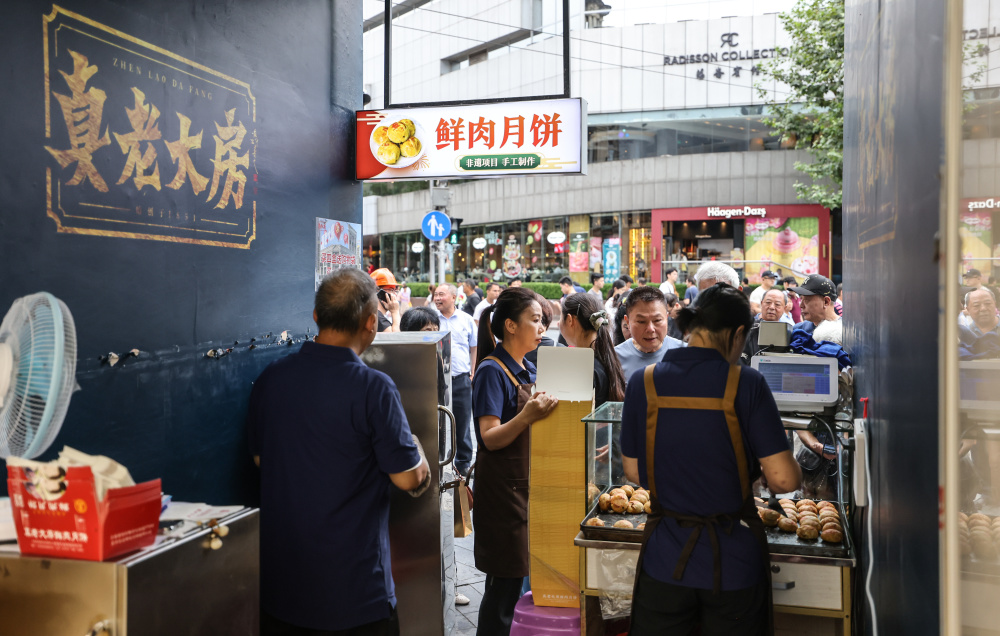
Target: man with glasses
<point>978,337</point>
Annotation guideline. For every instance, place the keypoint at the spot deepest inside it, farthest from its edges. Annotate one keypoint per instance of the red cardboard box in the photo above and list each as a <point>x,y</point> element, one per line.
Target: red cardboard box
<point>73,524</point>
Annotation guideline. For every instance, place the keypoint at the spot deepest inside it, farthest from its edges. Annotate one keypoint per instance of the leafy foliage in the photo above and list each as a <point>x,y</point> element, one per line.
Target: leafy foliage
<point>812,114</point>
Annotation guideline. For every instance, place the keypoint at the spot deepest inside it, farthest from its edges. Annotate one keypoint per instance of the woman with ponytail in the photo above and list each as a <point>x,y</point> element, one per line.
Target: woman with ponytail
<point>585,324</point>
<point>711,428</point>
<point>503,408</point>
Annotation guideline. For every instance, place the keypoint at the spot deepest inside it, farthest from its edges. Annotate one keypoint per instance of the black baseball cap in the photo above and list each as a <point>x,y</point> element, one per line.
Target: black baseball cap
<point>972,272</point>
<point>769,274</point>
<point>817,285</point>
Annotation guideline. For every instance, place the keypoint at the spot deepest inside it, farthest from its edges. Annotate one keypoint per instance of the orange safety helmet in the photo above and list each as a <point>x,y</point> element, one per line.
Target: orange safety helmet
<point>384,278</point>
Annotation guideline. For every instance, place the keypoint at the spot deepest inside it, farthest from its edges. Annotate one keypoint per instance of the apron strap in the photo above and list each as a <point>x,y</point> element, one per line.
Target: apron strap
<point>724,522</point>
<point>652,414</point>
<point>504,367</point>
<point>735,434</point>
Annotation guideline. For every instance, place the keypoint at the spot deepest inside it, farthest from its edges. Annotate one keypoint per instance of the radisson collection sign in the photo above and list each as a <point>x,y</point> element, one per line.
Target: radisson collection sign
<point>731,52</point>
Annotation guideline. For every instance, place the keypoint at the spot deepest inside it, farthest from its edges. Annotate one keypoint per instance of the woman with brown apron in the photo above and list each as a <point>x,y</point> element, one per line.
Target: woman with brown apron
<point>697,430</point>
<point>503,408</point>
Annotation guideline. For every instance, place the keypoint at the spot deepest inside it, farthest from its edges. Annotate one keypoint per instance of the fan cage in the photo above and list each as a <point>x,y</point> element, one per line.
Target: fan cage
<point>40,331</point>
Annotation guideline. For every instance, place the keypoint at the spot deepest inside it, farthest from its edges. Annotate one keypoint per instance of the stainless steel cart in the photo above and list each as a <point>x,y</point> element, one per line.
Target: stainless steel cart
<point>421,530</point>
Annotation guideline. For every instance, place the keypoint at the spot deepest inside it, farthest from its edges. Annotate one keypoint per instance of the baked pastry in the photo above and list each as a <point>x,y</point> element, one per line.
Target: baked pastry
<point>808,508</point>
<point>629,490</point>
<point>787,525</point>
<point>810,524</point>
<point>616,491</point>
<point>809,533</point>
<point>593,492</point>
<point>770,517</point>
<point>604,502</point>
<point>388,153</point>
<point>381,135</point>
<point>398,132</point>
<point>647,507</point>
<point>831,525</point>
<point>411,147</point>
<point>594,522</point>
<point>832,536</point>
<point>806,501</point>
<point>619,503</point>
<point>641,526</point>
<point>640,495</point>
<point>786,501</point>
<point>825,504</point>
<point>634,507</point>
<point>624,523</point>
<point>984,550</point>
<point>409,126</point>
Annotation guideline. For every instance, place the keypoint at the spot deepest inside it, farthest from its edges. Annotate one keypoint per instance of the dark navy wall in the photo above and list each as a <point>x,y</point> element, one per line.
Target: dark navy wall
<point>893,150</point>
<point>172,412</point>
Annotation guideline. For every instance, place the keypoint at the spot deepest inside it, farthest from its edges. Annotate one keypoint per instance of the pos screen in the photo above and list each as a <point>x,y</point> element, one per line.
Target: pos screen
<point>800,381</point>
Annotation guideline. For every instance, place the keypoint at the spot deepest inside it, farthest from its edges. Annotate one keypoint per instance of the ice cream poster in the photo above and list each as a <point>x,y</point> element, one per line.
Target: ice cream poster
<point>976,234</point>
<point>512,258</point>
<point>791,245</point>
<point>579,252</point>
<point>338,244</point>
<point>612,258</point>
<point>472,140</point>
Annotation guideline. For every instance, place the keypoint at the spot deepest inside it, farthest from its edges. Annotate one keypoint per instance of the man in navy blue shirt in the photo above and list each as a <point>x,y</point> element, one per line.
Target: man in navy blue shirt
<point>330,437</point>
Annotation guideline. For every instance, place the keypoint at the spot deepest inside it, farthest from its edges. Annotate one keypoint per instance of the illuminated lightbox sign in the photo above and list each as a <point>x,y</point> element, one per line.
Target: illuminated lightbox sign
<point>475,140</point>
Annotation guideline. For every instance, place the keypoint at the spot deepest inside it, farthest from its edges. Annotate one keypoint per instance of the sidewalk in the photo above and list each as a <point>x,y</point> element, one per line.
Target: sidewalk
<point>470,582</point>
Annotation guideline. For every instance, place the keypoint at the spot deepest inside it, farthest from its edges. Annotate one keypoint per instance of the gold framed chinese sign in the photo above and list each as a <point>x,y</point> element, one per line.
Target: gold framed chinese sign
<point>143,143</point>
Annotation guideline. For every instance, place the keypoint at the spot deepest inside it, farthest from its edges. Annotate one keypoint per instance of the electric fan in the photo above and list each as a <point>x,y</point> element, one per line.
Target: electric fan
<point>37,373</point>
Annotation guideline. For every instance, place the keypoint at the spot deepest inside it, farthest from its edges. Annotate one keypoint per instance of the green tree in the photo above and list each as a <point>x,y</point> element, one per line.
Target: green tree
<point>812,113</point>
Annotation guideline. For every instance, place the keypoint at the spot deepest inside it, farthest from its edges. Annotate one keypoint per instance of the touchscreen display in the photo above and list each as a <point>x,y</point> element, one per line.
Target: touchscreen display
<point>796,379</point>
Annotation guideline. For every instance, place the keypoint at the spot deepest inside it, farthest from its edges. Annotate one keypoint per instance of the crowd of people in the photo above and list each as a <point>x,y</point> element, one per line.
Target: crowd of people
<point>654,350</point>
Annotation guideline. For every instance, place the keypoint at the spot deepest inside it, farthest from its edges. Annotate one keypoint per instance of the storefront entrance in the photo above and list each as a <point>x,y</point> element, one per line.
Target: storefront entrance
<point>793,240</point>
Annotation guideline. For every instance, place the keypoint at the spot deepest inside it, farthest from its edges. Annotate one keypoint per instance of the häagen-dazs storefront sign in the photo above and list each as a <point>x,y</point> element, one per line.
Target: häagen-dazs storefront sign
<point>743,212</point>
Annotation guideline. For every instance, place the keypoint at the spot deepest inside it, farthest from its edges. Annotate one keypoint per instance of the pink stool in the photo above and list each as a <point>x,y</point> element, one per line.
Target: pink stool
<point>557,621</point>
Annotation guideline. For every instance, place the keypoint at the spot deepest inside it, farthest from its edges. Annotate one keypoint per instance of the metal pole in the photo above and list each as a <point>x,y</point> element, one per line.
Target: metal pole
<point>432,259</point>
<point>441,261</point>
<point>387,65</point>
<point>566,60</point>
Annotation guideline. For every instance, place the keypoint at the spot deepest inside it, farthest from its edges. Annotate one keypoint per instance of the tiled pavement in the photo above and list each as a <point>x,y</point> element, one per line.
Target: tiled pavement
<point>470,582</point>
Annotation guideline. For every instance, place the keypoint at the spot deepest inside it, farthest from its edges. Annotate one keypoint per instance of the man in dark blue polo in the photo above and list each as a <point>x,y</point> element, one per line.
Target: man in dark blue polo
<point>330,437</point>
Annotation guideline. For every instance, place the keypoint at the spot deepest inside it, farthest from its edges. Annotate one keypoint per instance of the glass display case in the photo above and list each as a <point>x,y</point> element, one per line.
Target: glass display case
<point>604,453</point>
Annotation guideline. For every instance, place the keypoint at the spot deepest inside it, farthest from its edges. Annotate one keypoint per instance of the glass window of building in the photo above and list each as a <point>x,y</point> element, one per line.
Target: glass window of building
<point>606,228</point>
<point>638,249</point>
<point>552,263</point>
<point>669,133</point>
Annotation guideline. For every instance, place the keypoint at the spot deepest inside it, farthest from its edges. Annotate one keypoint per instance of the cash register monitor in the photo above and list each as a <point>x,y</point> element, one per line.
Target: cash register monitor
<point>800,383</point>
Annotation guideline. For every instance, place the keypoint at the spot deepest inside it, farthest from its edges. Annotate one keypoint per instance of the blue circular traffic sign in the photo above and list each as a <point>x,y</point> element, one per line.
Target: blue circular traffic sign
<point>436,225</point>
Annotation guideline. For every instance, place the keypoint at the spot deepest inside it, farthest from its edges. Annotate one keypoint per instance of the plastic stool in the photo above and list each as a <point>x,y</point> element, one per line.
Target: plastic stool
<point>530,620</point>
